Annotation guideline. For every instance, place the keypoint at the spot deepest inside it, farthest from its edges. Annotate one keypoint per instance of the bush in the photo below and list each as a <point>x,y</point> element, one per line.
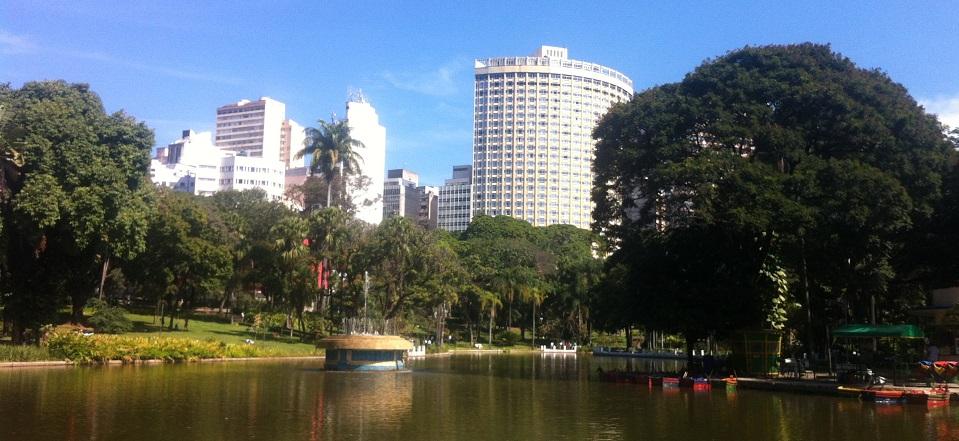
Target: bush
<point>108,319</point>
<point>100,348</point>
<point>24,353</point>
<point>508,338</point>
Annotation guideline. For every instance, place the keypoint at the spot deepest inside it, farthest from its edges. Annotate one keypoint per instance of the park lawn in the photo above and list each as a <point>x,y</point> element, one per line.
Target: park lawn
<point>202,328</point>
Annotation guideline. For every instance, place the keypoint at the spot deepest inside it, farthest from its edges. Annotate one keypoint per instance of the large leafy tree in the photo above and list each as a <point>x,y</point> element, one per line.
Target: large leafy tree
<point>188,259</point>
<point>334,153</point>
<point>298,279</point>
<point>504,251</point>
<point>248,217</point>
<point>785,160</point>
<point>336,241</point>
<point>73,197</point>
<point>409,265</point>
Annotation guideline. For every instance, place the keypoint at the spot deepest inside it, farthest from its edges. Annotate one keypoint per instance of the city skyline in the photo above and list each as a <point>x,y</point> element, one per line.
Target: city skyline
<point>172,70</point>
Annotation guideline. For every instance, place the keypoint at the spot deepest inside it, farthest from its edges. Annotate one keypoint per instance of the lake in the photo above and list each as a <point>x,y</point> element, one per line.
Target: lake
<point>458,397</point>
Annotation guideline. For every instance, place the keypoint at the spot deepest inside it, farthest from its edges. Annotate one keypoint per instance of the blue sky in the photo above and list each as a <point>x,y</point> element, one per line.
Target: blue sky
<point>172,63</point>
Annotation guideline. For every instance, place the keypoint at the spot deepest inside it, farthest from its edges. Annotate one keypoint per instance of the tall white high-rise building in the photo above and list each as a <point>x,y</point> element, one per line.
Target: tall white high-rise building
<point>533,119</point>
<point>365,127</point>
<point>251,128</point>
<point>454,212</point>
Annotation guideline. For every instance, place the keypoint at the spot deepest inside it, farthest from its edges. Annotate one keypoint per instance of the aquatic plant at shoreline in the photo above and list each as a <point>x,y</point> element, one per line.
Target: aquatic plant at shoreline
<point>20,353</point>
<point>102,348</point>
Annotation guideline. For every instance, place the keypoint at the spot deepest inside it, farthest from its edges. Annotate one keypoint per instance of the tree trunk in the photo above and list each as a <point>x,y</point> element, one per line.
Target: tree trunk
<point>77,302</point>
<point>492,312</point>
<point>18,331</point>
<point>342,181</point>
<point>534,325</point>
<point>509,314</point>
<point>173,311</point>
<point>329,192</point>
<point>103,275</point>
<point>810,339</point>
<point>629,337</point>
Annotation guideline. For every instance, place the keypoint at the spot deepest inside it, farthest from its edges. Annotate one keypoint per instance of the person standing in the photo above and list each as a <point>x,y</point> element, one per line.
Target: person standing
<point>932,352</point>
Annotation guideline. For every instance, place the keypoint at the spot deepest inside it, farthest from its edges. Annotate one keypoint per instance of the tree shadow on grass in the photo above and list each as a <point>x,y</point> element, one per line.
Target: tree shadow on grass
<point>237,333</point>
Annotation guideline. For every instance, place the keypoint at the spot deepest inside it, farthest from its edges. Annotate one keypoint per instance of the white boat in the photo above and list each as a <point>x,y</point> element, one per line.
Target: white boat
<point>416,352</point>
<point>561,349</point>
<point>674,355</point>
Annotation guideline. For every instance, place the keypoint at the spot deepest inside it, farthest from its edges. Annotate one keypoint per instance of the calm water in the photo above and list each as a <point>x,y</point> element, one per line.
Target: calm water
<point>463,397</point>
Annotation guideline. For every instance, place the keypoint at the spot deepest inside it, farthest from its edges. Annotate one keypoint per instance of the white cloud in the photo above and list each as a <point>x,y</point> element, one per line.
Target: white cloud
<point>11,44</point>
<point>437,82</point>
<point>15,44</point>
<point>946,108</point>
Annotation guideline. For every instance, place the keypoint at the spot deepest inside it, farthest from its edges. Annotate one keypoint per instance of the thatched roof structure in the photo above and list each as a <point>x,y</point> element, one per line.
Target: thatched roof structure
<point>366,342</point>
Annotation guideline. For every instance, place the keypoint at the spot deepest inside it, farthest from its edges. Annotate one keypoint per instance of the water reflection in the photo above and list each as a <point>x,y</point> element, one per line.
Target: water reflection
<point>354,404</point>
<point>468,397</point>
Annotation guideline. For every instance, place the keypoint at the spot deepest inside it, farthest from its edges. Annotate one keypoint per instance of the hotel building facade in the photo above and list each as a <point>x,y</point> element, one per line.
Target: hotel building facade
<point>533,119</point>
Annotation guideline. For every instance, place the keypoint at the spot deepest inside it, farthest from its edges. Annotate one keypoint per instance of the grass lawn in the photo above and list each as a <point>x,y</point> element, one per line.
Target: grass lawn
<point>203,328</point>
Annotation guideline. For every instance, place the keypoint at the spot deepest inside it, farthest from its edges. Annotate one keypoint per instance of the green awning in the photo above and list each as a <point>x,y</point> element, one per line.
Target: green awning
<point>868,331</point>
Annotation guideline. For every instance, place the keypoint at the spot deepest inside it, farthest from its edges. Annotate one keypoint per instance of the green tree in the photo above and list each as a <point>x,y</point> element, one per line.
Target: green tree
<point>248,217</point>
<point>297,275</point>
<point>789,154</point>
<point>74,202</point>
<point>406,261</point>
<point>332,148</point>
<point>188,259</point>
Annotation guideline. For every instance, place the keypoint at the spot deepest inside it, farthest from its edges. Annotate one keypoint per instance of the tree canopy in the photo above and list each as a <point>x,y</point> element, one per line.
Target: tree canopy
<point>769,160</point>
<point>73,196</point>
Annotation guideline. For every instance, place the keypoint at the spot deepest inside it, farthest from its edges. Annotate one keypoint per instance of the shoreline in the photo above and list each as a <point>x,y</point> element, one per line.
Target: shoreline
<point>65,363</point>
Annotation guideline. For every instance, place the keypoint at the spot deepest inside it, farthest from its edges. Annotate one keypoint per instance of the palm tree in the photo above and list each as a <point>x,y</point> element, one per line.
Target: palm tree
<point>332,147</point>
<point>289,241</point>
<point>490,300</point>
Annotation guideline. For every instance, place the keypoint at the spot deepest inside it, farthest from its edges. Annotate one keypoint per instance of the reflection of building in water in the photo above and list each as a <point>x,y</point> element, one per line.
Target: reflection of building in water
<point>353,404</point>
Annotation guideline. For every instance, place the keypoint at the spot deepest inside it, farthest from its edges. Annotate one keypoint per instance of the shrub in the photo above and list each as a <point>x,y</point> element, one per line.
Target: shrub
<point>100,348</point>
<point>508,338</point>
<point>108,319</point>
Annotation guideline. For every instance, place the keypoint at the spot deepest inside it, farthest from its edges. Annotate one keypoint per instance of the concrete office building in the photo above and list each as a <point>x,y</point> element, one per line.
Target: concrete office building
<point>240,172</point>
<point>292,136</point>
<point>428,197</point>
<point>193,164</point>
<point>189,164</point>
<point>453,211</point>
<point>251,128</point>
<point>532,145</point>
<point>365,127</point>
<point>400,197</point>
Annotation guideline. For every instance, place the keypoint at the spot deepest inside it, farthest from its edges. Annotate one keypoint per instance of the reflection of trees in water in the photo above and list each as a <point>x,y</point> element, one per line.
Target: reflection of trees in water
<point>444,398</point>
<point>354,402</point>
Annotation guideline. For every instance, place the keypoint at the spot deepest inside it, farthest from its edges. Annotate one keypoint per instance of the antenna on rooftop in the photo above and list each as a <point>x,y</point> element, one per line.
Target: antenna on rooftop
<point>355,95</point>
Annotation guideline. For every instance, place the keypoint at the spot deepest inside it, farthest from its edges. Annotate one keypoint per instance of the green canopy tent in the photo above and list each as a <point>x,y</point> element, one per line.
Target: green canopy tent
<point>878,331</point>
<point>872,331</point>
